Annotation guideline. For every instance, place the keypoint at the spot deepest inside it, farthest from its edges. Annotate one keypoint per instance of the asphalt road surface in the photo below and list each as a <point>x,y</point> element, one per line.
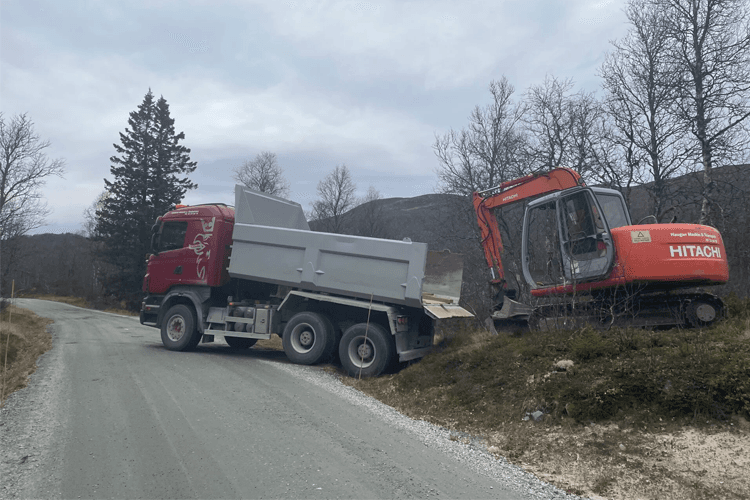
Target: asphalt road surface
<point>110,413</point>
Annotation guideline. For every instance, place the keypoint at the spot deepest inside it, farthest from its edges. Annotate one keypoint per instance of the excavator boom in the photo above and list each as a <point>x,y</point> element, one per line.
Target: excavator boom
<point>507,193</point>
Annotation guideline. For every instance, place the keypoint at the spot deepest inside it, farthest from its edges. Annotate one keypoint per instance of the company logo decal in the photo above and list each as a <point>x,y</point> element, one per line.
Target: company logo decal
<point>694,251</point>
<point>709,237</point>
<point>199,244</point>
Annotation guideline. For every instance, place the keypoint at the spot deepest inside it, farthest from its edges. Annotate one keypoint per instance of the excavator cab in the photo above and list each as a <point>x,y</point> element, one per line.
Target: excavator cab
<point>566,236</point>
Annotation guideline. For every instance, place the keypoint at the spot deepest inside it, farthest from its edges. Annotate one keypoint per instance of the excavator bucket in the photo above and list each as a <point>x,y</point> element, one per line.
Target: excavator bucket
<point>512,314</point>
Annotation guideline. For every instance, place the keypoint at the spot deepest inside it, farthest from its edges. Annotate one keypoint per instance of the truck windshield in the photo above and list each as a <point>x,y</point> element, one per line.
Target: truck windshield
<point>172,236</point>
<point>614,210</point>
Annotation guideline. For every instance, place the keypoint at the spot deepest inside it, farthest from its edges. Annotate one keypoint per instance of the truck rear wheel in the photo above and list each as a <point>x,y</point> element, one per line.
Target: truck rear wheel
<point>366,349</point>
<point>309,338</point>
<point>240,342</point>
<point>178,332</point>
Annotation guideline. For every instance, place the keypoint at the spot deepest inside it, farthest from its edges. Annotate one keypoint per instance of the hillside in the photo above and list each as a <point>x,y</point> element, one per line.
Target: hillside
<point>64,264</point>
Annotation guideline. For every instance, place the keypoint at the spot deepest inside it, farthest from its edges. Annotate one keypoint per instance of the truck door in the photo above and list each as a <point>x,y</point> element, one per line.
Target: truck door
<point>171,264</point>
<point>585,241</point>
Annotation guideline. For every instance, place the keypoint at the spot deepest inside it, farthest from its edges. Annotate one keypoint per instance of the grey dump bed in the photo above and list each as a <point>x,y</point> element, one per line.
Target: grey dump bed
<point>273,243</point>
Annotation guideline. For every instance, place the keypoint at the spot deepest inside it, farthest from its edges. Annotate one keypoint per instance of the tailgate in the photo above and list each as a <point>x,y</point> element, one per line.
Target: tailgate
<point>441,288</point>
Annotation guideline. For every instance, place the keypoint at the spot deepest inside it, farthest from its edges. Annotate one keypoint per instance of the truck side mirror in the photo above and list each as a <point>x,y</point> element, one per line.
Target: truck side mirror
<point>154,242</point>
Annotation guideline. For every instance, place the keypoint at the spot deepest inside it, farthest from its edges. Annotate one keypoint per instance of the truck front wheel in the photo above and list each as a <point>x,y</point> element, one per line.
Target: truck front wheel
<point>309,338</point>
<point>178,332</point>
<point>366,350</point>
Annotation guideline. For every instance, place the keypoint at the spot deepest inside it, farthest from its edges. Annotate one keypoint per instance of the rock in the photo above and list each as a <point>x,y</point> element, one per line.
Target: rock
<point>537,415</point>
<point>564,365</point>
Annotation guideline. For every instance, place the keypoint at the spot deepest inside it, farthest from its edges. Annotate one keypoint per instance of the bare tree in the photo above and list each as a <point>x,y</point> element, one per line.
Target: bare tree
<point>586,112</point>
<point>560,126</point>
<point>89,214</point>
<point>24,166</point>
<point>640,102</point>
<point>617,161</point>
<point>264,174</point>
<point>487,152</point>
<point>549,123</point>
<point>336,193</point>
<point>709,44</point>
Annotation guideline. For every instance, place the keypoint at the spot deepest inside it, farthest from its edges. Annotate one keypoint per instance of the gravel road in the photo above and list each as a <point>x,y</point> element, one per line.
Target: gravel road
<point>111,414</point>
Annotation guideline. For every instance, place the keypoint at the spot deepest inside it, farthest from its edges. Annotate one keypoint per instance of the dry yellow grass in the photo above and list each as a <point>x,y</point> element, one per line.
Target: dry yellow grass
<point>78,302</point>
<point>23,340</point>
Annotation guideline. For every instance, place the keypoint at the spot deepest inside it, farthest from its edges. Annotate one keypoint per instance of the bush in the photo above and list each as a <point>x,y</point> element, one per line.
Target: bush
<point>737,307</point>
<point>590,344</point>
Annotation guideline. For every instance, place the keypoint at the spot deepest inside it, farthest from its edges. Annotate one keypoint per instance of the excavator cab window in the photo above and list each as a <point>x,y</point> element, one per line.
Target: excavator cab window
<point>614,208</point>
<point>543,259</point>
<point>582,224</point>
<point>587,250</point>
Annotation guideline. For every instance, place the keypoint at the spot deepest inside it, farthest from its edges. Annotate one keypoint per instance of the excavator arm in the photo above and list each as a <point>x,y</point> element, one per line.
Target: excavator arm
<point>507,193</point>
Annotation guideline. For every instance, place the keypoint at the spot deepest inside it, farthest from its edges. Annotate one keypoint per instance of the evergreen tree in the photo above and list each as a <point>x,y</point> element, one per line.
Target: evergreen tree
<point>147,183</point>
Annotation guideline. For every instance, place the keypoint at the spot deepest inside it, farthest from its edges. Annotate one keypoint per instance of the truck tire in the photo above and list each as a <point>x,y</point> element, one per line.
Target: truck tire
<point>240,343</point>
<point>178,332</point>
<point>366,357</point>
<point>309,338</point>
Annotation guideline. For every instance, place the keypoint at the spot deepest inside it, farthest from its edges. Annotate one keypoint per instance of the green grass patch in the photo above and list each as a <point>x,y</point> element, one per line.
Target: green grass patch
<point>623,376</point>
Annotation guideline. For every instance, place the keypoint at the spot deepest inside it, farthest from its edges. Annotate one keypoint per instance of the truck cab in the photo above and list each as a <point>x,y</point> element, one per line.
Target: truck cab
<point>190,247</point>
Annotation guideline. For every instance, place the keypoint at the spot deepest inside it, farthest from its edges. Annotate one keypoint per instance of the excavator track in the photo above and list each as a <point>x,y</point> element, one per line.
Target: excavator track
<point>688,310</point>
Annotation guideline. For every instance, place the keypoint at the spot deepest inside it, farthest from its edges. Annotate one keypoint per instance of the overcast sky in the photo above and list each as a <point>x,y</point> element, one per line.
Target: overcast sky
<point>366,84</point>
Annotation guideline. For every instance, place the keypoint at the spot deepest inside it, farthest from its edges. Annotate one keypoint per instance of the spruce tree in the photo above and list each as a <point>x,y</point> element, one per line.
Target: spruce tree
<point>149,180</point>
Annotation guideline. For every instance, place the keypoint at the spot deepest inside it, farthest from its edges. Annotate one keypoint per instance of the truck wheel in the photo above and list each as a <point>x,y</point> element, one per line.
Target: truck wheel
<point>240,343</point>
<point>368,357</point>
<point>308,338</point>
<point>178,332</point>
<point>701,313</point>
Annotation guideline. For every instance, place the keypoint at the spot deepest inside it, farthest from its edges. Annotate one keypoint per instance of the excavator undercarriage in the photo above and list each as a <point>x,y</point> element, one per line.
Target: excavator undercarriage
<point>605,311</point>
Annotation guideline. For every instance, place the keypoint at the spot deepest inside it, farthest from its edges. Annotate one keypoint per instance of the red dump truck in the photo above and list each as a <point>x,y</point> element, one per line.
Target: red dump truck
<point>253,270</point>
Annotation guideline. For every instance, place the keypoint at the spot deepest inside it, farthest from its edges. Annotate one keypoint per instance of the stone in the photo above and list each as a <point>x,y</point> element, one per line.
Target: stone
<point>564,365</point>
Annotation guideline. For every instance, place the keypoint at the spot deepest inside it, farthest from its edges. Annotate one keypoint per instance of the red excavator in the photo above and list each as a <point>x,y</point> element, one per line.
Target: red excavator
<point>582,258</point>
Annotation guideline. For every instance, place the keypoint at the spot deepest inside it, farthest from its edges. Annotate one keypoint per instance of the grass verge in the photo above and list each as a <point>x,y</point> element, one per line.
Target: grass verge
<point>24,339</point>
<point>79,302</point>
